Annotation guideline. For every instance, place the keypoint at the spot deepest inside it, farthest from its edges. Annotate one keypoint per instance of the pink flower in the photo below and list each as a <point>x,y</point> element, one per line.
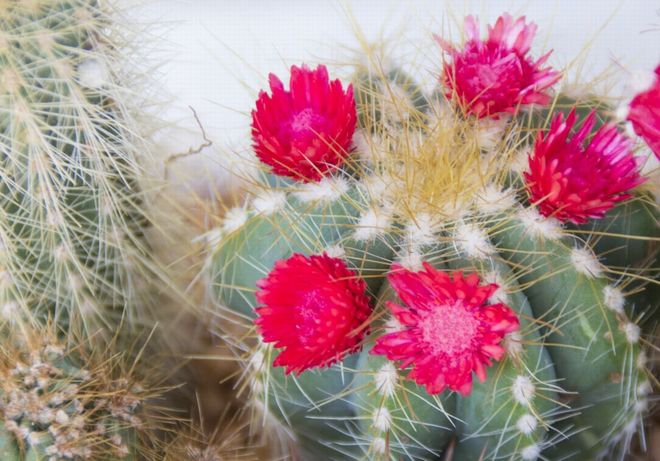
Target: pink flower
<point>306,132</point>
<point>448,329</point>
<point>572,181</point>
<point>489,77</point>
<point>645,114</point>
<point>315,308</point>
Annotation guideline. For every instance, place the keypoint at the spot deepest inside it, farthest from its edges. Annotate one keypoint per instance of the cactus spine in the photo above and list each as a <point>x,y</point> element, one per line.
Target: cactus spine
<point>71,208</point>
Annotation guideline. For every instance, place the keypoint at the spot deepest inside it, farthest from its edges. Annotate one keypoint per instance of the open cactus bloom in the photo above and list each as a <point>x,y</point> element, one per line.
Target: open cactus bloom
<point>306,132</point>
<point>497,75</point>
<point>442,243</point>
<point>447,331</point>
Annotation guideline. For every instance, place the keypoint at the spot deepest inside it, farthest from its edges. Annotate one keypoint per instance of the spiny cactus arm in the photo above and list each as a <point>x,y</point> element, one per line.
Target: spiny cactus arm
<point>511,413</point>
<point>251,245</point>
<point>312,407</point>
<point>565,282</point>
<point>396,417</point>
<point>61,399</point>
<point>628,234</point>
<point>627,241</point>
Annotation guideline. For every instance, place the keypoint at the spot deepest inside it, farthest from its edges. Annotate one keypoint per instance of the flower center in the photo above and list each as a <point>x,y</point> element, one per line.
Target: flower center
<point>449,329</point>
<point>308,316</point>
<point>307,122</point>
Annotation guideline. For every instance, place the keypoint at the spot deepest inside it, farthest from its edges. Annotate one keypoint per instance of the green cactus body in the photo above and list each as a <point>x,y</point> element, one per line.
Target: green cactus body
<point>309,403</point>
<point>509,414</point>
<point>564,282</point>
<point>572,381</point>
<point>396,416</point>
<point>71,209</point>
<point>300,226</point>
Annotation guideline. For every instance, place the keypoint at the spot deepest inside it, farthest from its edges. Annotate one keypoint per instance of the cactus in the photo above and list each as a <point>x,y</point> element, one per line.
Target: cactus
<point>59,401</point>
<point>475,252</point>
<point>72,219</point>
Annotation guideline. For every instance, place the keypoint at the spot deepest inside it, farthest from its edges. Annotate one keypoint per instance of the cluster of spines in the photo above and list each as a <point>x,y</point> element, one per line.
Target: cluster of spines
<point>71,243</point>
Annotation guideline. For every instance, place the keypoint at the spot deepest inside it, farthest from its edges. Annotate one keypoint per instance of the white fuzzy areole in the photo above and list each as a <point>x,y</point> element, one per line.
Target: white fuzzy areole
<point>586,263</point>
<point>258,360</point>
<point>382,419</point>
<point>538,225</point>
<point>520,160</point>
<point>392,325</point>
<point>9,310</point>
<point>630,130</point>
<point>420,232</point>
<point>234,219</point>
<point>500,295</point>
<point>630,427</point>
<point>490,132</point>
<point>644,389</point>
<point>411,260</point>
<point>93,74</point>
<point>513,344</point>
<point>368,147</point>
<point>336,251</point>
<point>372,224</point>
<point>531,452</point>
<point>494,199</point>
<point>256,385</point>
<point>632,332</point>
<point>523,389</point>
<point>269,201</point>
<point>379,445</point>
<point>473,241</point>
<point>527,424</point>
<point>641,405</point>
<point>386,379</point>
<point>61,253</point>
<point>375,187</point>
<point>61,417</point>
<point>621,112</point>
<point>642,360</point>
<point>5,279</point>
<point>328,190</point>
<point>614,299</point>
<point>213,237</point>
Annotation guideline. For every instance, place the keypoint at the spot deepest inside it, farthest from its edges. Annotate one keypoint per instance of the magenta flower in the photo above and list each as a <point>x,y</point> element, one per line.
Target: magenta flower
<point>306,132</point>
<point>645,114</point>
<point>449,330</point>
<point>497,75</point>
<point>574,180</point>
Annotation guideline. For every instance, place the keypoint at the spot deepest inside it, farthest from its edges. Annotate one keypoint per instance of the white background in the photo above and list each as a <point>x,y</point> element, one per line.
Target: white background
<point>219,52</point>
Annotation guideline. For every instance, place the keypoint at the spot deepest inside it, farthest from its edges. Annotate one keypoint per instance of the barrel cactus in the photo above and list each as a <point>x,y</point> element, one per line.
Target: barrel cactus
<point>491,231</point>
<point>72,219</point>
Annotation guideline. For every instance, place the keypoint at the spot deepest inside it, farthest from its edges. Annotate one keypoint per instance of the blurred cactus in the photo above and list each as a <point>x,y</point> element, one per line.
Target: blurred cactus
<point>71,209</point>
<point>59,401</point>
<point>476,254</point>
